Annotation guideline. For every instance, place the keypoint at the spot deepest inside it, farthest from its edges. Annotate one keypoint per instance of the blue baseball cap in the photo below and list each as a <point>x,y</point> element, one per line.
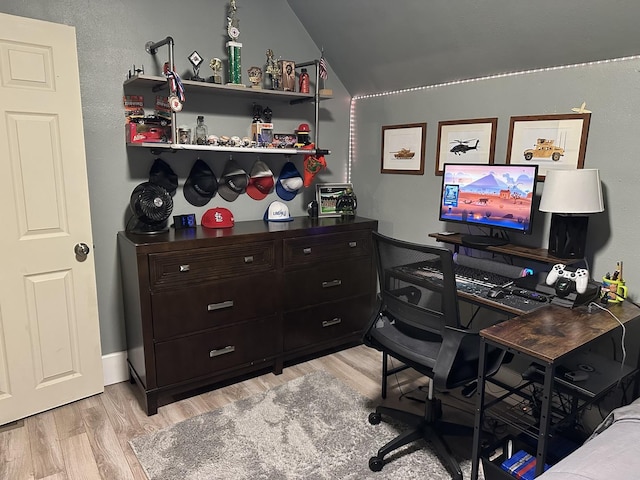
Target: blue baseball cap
<point>289,182</point>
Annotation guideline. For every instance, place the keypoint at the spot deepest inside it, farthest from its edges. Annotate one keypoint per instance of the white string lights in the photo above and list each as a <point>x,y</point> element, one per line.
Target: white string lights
<point>352,146</point>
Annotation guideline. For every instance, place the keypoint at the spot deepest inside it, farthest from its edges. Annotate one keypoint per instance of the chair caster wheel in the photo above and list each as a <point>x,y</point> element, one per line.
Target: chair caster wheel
<point>376,464</point>
<point>375,419</point>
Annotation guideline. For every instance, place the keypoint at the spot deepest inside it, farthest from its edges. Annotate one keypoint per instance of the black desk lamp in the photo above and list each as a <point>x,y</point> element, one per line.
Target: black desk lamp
<point>570,195</point>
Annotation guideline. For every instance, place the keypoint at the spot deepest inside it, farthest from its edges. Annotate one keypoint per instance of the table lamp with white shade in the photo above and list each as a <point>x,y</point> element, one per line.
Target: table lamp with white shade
<point>570,195</point>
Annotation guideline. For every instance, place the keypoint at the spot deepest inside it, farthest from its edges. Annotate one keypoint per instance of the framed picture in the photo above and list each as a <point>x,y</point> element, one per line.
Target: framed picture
<point>403,148</point>
<point>466,141</point>
<point>552,141</point>
<point>327,195</point>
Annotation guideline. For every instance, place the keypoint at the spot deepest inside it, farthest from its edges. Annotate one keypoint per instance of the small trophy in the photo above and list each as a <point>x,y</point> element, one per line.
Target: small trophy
<point>196,60</point>
<point>216,66</point>
<point>255,76</point>
<point>272,71</point>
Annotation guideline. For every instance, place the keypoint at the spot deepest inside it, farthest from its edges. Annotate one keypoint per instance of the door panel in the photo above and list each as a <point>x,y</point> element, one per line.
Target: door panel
<point>49,332</point>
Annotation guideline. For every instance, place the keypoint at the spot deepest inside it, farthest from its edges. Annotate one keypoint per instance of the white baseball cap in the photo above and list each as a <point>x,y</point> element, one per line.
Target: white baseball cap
<point>277,212</point>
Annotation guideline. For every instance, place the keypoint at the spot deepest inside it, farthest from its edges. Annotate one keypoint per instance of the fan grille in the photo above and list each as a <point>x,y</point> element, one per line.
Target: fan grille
<point>151,203</point>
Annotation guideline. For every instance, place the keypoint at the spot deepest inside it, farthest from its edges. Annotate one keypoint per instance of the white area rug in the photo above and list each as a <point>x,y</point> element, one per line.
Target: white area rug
<point>313,427</point>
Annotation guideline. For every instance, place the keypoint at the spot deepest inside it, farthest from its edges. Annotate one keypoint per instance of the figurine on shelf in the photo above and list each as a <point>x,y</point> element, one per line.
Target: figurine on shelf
<point>255,76</point>
<point>257,113</point>
<point>272,70</point>
<point>267,114</point>
<point>216,65</point>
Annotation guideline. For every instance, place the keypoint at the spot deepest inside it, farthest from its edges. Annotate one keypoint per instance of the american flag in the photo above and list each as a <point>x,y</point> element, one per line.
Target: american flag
<point>323,68</point>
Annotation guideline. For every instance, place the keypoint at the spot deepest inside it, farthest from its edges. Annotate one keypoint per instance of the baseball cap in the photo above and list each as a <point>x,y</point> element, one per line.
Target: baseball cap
<point>161,174</point>
<point>261,181</point>
<point>201,185</point>
<point>277,212</point>
<point>218,217</point>
<point>233,181</point>
<point>289,182</point>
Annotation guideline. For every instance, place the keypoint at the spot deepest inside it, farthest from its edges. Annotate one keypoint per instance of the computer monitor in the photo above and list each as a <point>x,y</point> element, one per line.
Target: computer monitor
<point>493,196</point>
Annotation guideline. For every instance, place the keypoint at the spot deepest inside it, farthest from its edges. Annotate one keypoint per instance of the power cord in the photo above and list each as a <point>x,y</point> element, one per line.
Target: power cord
<point>622,340</point>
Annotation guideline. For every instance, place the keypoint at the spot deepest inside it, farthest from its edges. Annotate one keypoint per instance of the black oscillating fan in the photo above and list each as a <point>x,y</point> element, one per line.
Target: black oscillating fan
<point>151,205</point>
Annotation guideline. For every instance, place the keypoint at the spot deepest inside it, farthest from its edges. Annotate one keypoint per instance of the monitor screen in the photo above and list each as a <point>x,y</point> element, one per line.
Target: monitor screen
<point>496,196</point>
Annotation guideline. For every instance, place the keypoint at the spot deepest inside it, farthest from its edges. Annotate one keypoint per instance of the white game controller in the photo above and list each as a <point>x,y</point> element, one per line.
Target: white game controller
<point>580,276</point>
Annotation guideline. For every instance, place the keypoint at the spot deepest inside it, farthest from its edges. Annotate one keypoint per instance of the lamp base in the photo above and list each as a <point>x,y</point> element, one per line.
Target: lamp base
<point>568,235</point>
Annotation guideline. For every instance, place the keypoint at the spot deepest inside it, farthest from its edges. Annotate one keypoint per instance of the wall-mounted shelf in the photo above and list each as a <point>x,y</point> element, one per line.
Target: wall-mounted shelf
<point>159,83</point>
<point>211,148</point>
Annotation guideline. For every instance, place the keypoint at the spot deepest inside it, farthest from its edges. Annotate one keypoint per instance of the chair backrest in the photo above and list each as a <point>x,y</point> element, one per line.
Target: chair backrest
<point>418,320</point>
<point>417,283</point>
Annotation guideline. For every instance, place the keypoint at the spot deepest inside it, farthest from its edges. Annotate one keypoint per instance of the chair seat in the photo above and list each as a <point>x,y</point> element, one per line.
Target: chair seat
<point>419,353</point>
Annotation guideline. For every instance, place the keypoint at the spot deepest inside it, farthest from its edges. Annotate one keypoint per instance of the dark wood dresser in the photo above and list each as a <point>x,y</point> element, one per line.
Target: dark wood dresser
<point>204,305</point>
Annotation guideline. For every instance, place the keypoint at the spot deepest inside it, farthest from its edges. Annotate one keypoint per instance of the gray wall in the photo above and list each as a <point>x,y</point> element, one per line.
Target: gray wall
<point>111,36</point>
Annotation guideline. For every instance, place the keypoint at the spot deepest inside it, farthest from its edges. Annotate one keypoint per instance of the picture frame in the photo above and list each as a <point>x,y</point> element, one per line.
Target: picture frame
<point>326,196</point>
<point>554,142</point>
<point>403,148</point>
<point>466,141</point>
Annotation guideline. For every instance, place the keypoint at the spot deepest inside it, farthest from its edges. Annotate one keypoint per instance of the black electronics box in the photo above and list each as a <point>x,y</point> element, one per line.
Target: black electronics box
<point>537,283</point>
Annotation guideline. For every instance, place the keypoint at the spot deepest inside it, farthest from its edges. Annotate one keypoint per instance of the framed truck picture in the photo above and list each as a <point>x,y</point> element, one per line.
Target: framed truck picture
<point>551,141</point>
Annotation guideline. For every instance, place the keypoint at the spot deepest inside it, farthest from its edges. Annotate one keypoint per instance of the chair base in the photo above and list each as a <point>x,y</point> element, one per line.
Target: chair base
<point>427,427</point>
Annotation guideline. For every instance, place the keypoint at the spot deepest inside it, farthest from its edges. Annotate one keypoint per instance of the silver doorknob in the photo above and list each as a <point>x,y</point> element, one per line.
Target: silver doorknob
<point>81,249</point>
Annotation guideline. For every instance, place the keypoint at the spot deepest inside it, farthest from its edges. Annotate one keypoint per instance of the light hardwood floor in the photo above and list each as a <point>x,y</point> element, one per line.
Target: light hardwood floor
<point>88,439</point>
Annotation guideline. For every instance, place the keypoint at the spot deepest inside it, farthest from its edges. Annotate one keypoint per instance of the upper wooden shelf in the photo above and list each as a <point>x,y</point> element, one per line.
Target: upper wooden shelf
<point>537,254</point>
<point>154,82</point>
<point>259,150</point>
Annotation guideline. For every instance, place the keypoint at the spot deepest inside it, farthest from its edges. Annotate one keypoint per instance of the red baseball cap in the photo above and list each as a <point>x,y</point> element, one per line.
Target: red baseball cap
<point>261,181</point>
<point>218,217</point>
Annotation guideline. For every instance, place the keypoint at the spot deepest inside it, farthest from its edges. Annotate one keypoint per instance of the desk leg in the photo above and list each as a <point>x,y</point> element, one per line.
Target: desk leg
<point>479,413</point>
<point>545,418</point>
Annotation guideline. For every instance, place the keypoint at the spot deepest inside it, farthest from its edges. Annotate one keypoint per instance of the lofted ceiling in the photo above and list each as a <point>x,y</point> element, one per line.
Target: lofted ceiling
<point>376,45</point>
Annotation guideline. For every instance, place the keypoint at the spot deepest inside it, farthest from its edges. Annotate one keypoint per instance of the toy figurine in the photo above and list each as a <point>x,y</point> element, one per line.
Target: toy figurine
<point>272,71</point>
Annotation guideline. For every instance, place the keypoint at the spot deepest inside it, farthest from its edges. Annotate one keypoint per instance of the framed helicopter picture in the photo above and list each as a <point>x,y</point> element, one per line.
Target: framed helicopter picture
<point>466,141</point>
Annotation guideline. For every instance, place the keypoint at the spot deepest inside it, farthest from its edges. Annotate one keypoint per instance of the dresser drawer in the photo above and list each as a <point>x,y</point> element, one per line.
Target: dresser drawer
<point>192,267</point>
<point>214,304</point>
<point>216,351</point>
<point>327,282</point>
<point>326,322</point>
<point>320,248</point>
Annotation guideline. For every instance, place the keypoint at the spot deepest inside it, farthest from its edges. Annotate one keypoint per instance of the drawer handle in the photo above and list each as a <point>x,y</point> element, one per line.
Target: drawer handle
<point>248,259</point>
<point>332,283</point>
<point>306,251</point>
<point>219,306</point>
<point>353,244</point>
<point>328,323</point>
<point>222,351</point>
<point>184,268</point>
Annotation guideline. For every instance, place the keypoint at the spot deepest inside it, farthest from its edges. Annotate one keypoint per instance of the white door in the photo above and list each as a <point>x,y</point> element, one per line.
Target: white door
<point>49,333</point>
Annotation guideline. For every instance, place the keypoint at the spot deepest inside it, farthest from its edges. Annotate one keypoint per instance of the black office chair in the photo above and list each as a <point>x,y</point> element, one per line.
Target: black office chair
<point>417,322</point>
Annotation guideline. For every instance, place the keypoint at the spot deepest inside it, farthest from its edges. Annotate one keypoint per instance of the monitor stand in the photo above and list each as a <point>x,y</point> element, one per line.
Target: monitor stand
<point>482,241</point>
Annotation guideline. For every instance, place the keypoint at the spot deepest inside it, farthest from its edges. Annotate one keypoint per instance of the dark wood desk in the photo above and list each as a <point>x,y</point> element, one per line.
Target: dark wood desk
<point>546,335</point>
<point>538,254</point>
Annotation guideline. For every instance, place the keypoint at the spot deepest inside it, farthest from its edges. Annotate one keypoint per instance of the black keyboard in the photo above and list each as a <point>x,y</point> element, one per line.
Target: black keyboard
<point>464,273</point>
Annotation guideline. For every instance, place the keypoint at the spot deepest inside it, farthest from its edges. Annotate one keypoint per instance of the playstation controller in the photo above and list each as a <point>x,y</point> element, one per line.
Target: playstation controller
<point>580,276</point>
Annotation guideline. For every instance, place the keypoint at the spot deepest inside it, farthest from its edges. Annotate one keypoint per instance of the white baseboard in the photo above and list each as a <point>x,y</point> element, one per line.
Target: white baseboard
<point>114,367</point>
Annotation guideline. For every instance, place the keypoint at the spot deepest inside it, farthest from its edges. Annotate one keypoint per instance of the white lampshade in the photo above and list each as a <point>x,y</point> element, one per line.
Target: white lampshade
<point>572,191</point>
